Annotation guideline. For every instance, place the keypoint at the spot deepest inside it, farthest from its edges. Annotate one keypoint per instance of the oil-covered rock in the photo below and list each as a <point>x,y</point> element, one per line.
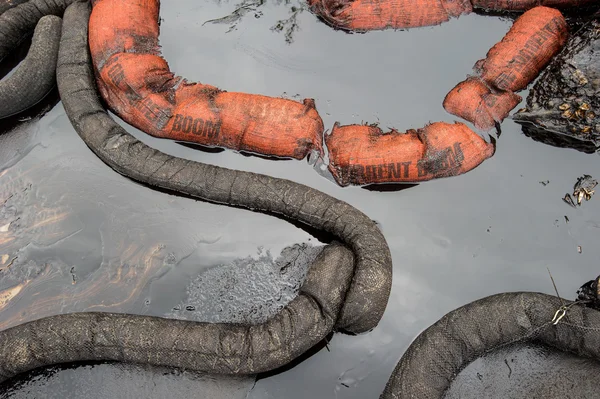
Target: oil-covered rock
<point>563,107</point>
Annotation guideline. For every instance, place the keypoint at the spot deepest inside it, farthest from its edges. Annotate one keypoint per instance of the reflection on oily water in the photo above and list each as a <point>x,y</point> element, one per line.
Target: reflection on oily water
<point>51,258</point>
<point>74,242</point>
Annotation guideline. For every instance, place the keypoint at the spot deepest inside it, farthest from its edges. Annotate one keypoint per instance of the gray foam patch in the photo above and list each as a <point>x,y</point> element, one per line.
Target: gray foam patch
<point>248,290</point>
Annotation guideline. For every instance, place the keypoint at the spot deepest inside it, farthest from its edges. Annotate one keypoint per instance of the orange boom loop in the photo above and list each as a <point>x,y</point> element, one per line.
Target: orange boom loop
<point>365,154</point>
<point>366,15</point>
<point>363,15</point>
<point>137,83</point>
<point>486,98</point>
<point>474,101</point>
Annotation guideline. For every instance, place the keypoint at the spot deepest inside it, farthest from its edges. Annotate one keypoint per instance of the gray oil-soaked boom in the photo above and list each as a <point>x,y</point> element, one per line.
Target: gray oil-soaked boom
<point>347,287</point>
<point>442,351</point>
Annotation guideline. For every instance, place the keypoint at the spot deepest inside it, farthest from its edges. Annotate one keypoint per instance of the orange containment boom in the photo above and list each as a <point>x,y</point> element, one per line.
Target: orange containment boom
<point>137,84</point>
<point>360,154</point>
<point>487,98</point>
<point>366,15</point>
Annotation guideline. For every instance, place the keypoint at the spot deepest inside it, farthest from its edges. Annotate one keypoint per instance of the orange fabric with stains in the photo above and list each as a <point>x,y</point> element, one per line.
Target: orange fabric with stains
<point>514,62</point>
<point>360,154</point>
<point>535,37</point>
<point>364,15</point>
<point>137,84</point>
<point>472,100</point>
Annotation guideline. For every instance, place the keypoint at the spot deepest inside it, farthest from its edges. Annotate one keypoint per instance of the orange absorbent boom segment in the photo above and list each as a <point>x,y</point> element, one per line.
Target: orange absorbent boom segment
<point>361,154</point>
<point>488,97</point>
<point>366,15</point>
<point>137,83</point>
<point>535,37</point>
<point>475,102</point>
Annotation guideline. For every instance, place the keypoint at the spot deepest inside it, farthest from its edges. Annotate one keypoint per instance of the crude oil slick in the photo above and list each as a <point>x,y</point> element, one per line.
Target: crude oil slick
<point>123,247</point>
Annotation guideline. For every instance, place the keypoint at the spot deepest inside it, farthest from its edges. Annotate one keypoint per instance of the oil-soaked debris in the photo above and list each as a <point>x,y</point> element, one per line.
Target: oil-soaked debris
<point>590,293</point>
<point>236,16</point>
<point>288,26</point>
<point>567,198</point>
<point>563,107</point>
<point>545,182</point>
<point>509,369</point>
<point>582,190</point>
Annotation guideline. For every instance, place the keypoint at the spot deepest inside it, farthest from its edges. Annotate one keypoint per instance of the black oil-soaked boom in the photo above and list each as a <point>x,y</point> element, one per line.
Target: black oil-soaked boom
<point>443,350</point>
<point>17,20</point>
<point>344,291</point>
<point>34,78</point>
<point>8,4</point>
<point>563,107</point>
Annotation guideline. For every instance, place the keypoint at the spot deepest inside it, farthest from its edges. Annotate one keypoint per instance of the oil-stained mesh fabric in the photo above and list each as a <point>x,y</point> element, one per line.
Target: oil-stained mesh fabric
<point>17,92</point>
<point>437,355</point>
<point>217,348</point>
<point>18,22</point>
<point>8,4</point>
<point>346,288</point>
